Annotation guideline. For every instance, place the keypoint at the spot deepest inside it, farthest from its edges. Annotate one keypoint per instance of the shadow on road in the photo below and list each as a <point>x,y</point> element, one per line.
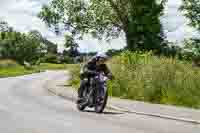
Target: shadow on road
<point>105,112</point>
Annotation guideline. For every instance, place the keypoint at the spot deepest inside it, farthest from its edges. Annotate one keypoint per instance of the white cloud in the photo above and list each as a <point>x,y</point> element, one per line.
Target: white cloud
<point>21,14</point>
<point>90,44</point>
<point>175,23</point>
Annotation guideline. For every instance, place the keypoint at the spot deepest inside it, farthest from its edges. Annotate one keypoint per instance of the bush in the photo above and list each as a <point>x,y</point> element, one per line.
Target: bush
<point>74,70</point>
<point>7,63</point>
<point>67,60</point>
<point>142,76</point>
<point>50,58</point>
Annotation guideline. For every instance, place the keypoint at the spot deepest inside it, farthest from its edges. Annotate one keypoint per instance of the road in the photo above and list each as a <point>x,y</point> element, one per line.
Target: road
<point>27,107</point>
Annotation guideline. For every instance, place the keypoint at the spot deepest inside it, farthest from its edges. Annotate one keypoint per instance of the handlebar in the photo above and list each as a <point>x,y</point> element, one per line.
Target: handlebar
<point>109,76</point>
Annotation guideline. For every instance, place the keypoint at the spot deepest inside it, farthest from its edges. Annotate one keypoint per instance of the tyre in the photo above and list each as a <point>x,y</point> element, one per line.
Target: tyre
<point>99,107</point>
<point>80,105</point>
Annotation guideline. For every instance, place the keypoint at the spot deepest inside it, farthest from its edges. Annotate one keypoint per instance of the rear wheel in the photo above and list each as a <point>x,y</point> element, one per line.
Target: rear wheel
<point>81,104</point>
<point>80,107</point>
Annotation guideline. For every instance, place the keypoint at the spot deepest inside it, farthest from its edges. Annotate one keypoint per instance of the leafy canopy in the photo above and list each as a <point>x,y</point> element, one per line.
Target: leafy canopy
<point>23,47</point>
<point>138,19</point>
<point>191,9</point>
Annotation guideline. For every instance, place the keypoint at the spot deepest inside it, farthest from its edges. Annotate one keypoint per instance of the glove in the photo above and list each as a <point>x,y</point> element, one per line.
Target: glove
<point>110,76</point>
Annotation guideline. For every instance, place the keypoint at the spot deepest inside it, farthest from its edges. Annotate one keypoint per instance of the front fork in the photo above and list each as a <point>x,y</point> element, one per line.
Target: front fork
<point>97,91</point>
<point>100,91</point>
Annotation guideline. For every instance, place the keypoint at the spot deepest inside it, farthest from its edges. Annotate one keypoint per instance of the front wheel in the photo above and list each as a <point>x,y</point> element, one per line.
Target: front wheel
<point>101,104</point>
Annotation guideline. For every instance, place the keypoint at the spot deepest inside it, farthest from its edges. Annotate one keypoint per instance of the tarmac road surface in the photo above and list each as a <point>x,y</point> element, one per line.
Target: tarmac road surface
<point>27,107</point>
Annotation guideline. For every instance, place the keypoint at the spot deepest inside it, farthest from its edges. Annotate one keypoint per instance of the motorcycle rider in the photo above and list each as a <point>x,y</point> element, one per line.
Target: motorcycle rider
<point>92,68</point>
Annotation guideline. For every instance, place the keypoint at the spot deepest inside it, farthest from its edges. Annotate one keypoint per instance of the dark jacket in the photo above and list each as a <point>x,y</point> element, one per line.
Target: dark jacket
<point>91,68</point>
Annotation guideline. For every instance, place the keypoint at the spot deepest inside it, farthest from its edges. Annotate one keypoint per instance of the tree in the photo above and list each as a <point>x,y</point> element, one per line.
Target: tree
<point>51,47</point>
<point>113,52</point>
<point>4,26</point>
<point>35,34</point>
<point>30,47</point>
<point>138,19</point>
<point>72,45</point>
<point>48,46</point>
<point>70,42</point>
<point>20,47</point>
<point>191,9</point>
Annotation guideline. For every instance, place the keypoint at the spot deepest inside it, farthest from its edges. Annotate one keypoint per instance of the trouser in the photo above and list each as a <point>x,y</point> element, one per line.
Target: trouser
<point>81,88</point>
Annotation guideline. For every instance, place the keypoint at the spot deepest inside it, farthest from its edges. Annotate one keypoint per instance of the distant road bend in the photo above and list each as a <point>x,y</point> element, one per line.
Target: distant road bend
<point>26,107</point>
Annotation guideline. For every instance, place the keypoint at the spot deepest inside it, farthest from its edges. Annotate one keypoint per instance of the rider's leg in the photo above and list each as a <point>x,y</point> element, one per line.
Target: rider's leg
<point>81,88</point>
<point>83,85</point>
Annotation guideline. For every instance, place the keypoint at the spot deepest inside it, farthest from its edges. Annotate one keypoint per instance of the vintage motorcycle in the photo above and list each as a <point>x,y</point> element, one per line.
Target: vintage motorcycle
<point>95,93</point>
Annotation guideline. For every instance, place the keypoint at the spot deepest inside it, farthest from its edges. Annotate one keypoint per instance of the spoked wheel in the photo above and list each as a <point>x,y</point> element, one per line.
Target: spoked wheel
<point>101,101</point>
<point>81,105</point>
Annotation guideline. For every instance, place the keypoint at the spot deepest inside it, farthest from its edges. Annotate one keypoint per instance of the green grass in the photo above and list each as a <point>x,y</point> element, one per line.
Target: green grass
<point>144,77</point>
<point>46,66</point>
<point>15,71</point>
<point>74,72</point>
<point>9,68</point>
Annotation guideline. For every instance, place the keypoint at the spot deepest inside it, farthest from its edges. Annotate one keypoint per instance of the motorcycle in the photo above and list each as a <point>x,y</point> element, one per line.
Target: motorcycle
<point>95,94</point>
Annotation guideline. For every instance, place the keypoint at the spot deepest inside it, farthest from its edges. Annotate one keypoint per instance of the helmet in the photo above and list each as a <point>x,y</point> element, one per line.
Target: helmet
<point>102,55</point>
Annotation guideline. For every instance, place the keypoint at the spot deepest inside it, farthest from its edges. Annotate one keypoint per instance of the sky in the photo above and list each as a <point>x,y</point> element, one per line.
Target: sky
<point>22,15</point>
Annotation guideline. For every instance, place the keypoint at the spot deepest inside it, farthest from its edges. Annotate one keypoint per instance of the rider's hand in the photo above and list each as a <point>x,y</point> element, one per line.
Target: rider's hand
<point>111,77</point>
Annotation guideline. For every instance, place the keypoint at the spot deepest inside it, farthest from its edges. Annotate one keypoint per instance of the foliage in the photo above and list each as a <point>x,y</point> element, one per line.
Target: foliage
<point>113,52</point>
<point>51,47</point>
<point>50,58</point>
<point>67,60</point>
<point>192,11</point>
<point>47,45</point>
<point>190,50</point>
<point>141,76</point>
<point>50,66</point>
<point>30,47</point>
<point>71,45</point>
<point>144,77</point>
<point>169,50</point>
<point>7,63</point>
<point>35,35</point>
<point>70,42</point>
<point>138,19</point>
<point>4,27</point>
<point>75,77</point>
<point>17,70</point>
<point>20,47</point>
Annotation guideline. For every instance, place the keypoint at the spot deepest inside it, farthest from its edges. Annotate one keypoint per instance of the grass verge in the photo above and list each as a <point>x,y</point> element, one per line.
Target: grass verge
<point>144,77</point>
<point>9,68</point>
